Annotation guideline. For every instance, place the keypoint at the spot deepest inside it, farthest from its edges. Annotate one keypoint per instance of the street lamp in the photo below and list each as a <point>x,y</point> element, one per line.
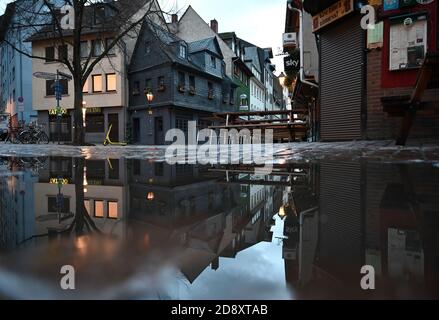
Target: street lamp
<point>84,113</point>
<point>282,78</point>
<point>150,98</point>
<point>150,196</point>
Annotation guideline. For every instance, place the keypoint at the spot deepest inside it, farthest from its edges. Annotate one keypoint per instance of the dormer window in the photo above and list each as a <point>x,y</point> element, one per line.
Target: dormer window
<point>183,51</point>
<point>213,62</point>
<point>103,14</point>
<point>100,14</point>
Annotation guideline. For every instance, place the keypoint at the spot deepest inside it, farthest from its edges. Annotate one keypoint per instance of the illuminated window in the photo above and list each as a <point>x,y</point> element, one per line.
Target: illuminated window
<point>87,206</point>
<point>99,209</point>
<point>113,210</point>
<point>111,82</point>
<point>97,83</point>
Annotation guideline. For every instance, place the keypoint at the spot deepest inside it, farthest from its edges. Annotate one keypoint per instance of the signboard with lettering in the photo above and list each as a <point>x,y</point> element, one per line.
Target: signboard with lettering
<point>94,110</point>
<point>333,13</point>
<point>55,112</point>
<point>292,62</point>
<point>59,181</point>
<point>408,42</point>
<point>20,104</point>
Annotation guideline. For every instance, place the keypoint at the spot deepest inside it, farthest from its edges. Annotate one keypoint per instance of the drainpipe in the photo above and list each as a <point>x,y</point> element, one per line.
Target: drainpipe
<point>302,69</point>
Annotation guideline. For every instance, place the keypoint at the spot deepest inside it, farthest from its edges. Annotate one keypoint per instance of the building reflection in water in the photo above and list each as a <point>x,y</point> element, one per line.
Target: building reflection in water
<point>337,217</point>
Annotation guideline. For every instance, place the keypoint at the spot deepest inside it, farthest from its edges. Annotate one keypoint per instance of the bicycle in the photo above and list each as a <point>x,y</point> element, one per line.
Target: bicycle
<point>33,135</point>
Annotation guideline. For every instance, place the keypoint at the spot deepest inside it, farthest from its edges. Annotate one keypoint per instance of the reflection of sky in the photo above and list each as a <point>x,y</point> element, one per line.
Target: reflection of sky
<point>256,273</point>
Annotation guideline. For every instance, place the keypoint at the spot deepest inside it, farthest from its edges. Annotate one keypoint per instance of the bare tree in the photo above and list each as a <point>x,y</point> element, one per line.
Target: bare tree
<point>118,20</point>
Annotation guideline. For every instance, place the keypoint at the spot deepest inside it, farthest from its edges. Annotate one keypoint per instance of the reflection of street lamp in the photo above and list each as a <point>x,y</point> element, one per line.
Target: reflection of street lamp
<point>85,183</point>
<point>84,113</point>
<point>149,97</point>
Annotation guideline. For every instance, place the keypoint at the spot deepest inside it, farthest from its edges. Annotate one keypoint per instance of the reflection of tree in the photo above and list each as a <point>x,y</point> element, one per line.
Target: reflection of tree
<point>82,222</point>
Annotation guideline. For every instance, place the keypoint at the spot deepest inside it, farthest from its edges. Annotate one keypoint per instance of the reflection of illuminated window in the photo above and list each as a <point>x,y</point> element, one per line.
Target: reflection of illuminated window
<point>87,206</point>
<point>113,210</point>
<point>99,209</point>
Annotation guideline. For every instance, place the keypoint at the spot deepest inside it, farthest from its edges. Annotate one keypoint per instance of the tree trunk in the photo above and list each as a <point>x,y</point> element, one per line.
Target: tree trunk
<point>79,134</point>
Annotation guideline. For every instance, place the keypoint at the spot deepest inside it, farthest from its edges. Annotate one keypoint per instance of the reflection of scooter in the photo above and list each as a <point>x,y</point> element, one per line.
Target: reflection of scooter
<point>108,141</point>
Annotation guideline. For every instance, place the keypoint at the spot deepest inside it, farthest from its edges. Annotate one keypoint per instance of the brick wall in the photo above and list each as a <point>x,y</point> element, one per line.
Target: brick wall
<point>379,125</point>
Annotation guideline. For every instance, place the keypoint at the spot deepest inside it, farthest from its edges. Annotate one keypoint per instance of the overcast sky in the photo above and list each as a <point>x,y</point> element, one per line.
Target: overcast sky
<point>260,22</point>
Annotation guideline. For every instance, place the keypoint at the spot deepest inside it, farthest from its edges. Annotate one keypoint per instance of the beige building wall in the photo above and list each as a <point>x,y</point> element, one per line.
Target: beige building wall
<point>114,64</point>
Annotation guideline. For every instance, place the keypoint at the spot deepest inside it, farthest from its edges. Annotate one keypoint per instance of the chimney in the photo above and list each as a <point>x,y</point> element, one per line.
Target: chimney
<point>214,25</point>
<point>174,18</point>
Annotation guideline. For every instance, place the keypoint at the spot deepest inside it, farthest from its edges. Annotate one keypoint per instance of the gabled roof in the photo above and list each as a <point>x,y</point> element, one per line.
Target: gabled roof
<point>164,35</point>
<point>251,54</point>
<point>169,41</point>
<point>210,45</point>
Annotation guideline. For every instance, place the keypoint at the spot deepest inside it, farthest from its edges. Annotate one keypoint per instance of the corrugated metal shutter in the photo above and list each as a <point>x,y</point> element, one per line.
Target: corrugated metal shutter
<point>341,228</point>
<point>341,80</point>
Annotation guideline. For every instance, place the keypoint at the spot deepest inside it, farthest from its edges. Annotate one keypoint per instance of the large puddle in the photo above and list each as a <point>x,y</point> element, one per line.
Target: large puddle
<point>137,229</point>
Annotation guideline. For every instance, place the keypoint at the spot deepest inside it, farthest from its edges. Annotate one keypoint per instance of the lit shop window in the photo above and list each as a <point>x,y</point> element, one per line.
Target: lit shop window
<point>408,41</point>
<point>99,209</point>
<point>113,210</point>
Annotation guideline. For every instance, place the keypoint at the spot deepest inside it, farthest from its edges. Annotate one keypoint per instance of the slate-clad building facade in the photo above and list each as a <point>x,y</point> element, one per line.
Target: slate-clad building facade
<point>188,82</point>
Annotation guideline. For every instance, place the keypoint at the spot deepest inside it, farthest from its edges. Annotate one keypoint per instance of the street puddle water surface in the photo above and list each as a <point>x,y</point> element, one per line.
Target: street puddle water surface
<point>142,229</point>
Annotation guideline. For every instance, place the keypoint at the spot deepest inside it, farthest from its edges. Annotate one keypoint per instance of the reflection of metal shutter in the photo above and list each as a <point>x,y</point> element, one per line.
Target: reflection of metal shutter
<point>341,225</point>
<point>341,80</point>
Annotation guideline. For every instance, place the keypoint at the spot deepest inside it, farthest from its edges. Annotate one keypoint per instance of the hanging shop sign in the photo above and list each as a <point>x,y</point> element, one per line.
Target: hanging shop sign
<point>56,111</point>
<point>408,42</point>
<point>292,62</point>
<point>335,12</point>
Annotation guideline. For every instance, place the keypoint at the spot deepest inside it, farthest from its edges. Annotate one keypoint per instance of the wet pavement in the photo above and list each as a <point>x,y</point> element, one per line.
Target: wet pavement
<point>296,152</point>
<point>134,227</point>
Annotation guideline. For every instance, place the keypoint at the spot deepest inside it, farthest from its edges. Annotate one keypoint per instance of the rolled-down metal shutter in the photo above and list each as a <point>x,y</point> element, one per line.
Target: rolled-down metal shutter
<point>341,80</point>
<point>341,226</point>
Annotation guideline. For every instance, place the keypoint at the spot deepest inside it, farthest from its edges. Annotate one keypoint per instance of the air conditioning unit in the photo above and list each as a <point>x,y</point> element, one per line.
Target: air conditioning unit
<point>290,40</point>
